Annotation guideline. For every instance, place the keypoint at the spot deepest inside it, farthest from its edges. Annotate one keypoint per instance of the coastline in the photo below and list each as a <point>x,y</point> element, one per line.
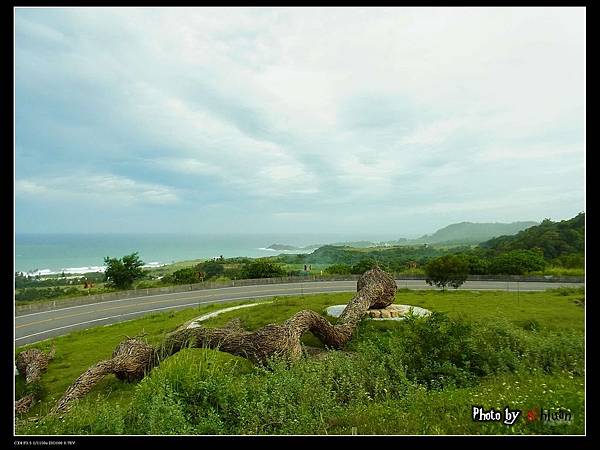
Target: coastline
<point>48,254</point>
<point>82,270</point>
<point>151,265</point>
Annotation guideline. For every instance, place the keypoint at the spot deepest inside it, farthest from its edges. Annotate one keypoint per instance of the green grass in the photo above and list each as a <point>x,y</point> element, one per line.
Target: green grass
<point>551,308</point>
<point>495,349</point>
<point>77,351</point>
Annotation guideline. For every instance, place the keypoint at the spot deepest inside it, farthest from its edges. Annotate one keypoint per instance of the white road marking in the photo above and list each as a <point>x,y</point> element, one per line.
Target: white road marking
<point>150,310</point>
<point>101,302</point>
<point>316,286</point>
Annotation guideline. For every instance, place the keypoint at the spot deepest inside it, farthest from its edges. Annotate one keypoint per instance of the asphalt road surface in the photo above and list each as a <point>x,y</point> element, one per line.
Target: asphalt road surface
<point>42,325</point>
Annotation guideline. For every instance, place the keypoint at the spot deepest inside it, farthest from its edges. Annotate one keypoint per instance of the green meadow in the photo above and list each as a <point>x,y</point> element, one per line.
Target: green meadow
<point>418,376</point>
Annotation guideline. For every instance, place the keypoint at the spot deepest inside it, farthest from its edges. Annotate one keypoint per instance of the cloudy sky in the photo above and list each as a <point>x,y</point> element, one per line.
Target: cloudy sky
<point>367,121</point>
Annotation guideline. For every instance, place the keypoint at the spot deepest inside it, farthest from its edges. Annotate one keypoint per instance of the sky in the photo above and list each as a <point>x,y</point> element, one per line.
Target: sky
<point>365,121</point>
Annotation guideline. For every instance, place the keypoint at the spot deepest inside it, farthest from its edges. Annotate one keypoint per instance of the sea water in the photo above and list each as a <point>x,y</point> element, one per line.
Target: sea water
<point>80,253</point>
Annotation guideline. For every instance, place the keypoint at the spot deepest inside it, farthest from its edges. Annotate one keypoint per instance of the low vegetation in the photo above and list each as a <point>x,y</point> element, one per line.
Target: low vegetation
<point>420,376</point>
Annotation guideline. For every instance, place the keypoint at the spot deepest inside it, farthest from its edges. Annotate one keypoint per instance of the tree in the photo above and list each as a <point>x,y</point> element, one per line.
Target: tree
<point>211,268</point>
<point>121,273</point>
<point>262,269</point>
<point>363,265</point>
<point>187,275</point>
<point>553,238</point>
<point>477,265</point>
<point>339,269</point>
<point>447,270</point>
<point>518,262</point>
<point>570,261</point>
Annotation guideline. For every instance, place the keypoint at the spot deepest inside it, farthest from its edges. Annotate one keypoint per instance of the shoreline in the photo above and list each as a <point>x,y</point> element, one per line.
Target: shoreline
<point>80,270</point>
<point>151,265</point>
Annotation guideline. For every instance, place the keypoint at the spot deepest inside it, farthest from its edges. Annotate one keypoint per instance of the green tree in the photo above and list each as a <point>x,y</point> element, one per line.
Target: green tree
<point>121,273</point>
<point>261,269</point>
<point>339,269</point>
<point>570,261</point>
<point>211,268</point>
<point>553,238</point>
<point>447,270</point>
<point>187,275</point>
<point>363,265</point>
<point>518,262</point>
<point>477,265</point>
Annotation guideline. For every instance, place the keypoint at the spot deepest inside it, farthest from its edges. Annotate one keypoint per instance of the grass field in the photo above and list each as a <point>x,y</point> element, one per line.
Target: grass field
<point>421,376</point>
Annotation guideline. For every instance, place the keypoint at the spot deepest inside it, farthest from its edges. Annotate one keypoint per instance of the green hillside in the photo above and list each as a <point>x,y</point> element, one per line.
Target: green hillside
<point>564,240</point>
<point>392,258</point>
<point>473,233</point>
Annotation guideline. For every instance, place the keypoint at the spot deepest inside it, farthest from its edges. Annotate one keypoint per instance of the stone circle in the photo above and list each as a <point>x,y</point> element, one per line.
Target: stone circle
<point>391,312</point>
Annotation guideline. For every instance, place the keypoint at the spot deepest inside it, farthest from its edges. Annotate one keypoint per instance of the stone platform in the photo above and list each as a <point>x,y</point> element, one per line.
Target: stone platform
<point>392,312</point>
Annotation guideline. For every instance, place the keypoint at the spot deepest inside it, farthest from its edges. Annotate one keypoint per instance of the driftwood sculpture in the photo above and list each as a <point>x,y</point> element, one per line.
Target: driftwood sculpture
<point>31,363</point>
<point>24,404</point>
<point>132,358</point>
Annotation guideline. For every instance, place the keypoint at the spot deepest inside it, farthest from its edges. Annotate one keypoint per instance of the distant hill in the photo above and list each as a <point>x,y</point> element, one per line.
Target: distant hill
<point>394,258</point>
<point>286,247</point>
<point>353,244</point>
<point>456,234</point>
<point>556,239</point>
<point>472,233</point>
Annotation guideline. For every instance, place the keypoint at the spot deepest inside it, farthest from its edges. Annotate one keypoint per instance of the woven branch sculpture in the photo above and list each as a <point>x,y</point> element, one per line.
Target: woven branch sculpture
<point>31,363</point>
<point>132,358</point>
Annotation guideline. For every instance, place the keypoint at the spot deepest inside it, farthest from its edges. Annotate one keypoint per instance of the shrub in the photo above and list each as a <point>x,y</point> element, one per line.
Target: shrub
<point>363,265</point>
<point>187,275</point>
<point>157,412</point>
<point>29,294</point>
<point>339,269</point>
<point>517,262</point>
<point>261,269</point>
<point>477,265</point>
<point>570,261</point>
<point>211,268</point>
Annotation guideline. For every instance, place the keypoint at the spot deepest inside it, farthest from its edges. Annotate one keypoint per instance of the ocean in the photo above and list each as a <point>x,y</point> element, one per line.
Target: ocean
<point>80,253</point>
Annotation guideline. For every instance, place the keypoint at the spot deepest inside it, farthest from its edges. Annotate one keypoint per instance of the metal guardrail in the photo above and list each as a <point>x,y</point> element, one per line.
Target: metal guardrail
<point>36,306</point>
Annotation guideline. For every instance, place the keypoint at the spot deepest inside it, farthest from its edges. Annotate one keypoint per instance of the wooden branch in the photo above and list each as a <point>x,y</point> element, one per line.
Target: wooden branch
<point>132,359</point>
<point>31,363</point>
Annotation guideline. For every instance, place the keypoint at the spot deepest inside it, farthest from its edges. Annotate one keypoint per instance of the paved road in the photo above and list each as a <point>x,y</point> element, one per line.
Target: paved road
<point>38,326</point>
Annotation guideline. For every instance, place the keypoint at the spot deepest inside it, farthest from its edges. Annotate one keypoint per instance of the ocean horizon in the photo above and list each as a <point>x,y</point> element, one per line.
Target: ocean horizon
<point>54,253</point>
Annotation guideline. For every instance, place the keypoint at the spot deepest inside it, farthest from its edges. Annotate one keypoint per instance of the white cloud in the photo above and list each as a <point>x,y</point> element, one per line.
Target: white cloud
<point>434,133</point>
<point>517,152</point>
<point>29,187</point>
<point>187,166</point>
<point>328,105</point>
<point>104,188</point>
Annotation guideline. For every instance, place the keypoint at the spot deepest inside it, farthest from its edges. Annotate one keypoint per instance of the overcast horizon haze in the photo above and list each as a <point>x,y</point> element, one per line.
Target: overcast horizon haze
<point>389,122</point>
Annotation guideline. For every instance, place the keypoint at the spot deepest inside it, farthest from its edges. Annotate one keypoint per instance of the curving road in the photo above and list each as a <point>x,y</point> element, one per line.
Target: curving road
<point>42,325</point>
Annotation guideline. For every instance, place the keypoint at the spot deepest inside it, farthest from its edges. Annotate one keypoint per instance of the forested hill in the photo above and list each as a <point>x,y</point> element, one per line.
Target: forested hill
<point>555,239</point>
<point>473,233</point>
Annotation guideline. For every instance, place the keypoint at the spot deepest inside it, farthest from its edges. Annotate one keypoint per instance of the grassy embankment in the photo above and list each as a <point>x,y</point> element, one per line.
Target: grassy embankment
<point>417,377</point>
